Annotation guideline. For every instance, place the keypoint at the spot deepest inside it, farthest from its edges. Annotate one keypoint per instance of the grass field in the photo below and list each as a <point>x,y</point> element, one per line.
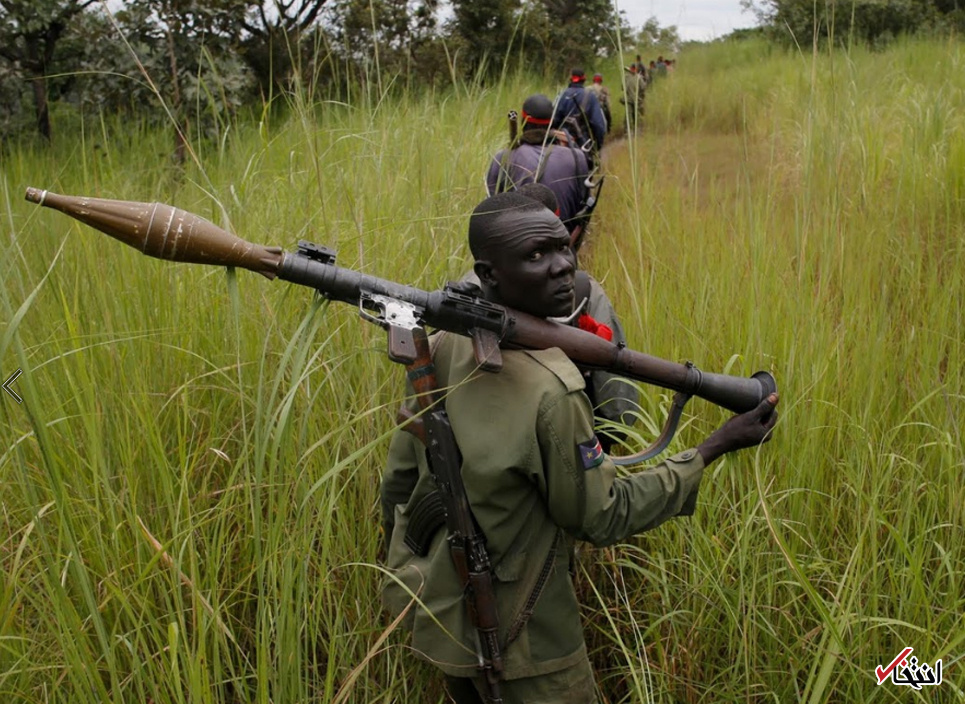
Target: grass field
<point>190,489</point>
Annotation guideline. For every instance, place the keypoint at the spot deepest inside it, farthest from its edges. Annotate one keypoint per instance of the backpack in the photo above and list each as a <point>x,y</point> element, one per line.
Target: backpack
<point>570,115</point>
<point>507,166</point>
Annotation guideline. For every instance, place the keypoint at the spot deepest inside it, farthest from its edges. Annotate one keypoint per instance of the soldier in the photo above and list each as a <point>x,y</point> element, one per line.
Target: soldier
<point>540,159</point>
<point>634,92</point>
<point>602,94</point>
<point>661,67</point>
<point>580,110</point>
<point>535,476</point>
<point>612,397</point>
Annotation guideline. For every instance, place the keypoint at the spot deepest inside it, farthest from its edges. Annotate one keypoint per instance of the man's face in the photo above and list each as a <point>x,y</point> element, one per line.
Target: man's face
<point>532,268</point>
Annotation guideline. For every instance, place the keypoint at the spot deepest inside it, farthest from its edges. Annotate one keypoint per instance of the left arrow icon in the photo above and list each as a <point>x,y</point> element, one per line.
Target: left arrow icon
<point>6,385</point>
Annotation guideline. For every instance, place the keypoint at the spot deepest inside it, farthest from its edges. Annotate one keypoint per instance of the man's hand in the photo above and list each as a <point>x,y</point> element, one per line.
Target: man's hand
<point>745,430</point>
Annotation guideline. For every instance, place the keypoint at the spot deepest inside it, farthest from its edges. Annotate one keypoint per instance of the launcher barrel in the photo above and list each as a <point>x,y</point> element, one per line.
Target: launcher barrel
<point>166,232</point>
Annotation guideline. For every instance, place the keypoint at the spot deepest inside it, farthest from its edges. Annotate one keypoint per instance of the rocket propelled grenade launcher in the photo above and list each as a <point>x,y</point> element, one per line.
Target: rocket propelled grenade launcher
<point>165,232</point>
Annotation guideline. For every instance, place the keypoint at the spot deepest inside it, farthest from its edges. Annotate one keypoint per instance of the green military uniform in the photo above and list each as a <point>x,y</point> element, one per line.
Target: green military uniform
<point>614,398</point>
<point>603,96</point>
<point>634,89</point>
<point>536,479</point>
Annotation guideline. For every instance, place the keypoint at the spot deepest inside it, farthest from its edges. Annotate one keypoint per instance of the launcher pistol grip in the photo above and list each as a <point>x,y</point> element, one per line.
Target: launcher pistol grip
<point>398,318</point>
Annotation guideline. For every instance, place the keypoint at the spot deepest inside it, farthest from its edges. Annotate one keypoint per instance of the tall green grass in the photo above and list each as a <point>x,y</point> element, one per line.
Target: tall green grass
<point>190,504</point>
<point>805,215</point>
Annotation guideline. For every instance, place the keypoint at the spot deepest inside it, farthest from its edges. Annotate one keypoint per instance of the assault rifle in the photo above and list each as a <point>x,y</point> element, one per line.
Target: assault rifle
<point>166,232</point>
<point>467,542</point>
<point>593,190</point>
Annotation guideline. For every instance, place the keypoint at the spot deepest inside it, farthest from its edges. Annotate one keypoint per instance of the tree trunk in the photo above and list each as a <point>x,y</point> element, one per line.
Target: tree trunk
<point>41,108</point>
<point>180,144</point>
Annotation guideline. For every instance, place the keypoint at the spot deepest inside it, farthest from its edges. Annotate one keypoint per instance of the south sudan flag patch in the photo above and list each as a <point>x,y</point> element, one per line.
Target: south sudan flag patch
<point>591,453</point>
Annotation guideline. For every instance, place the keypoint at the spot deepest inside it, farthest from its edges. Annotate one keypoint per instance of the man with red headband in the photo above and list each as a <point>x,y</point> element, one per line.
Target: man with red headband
<point>602,94</point>
<point>576,105</point>
<point>634,92</point>
<point>540,158</point>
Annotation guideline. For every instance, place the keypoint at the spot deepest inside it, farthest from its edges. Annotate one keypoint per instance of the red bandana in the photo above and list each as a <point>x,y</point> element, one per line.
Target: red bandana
<point>533,120</point>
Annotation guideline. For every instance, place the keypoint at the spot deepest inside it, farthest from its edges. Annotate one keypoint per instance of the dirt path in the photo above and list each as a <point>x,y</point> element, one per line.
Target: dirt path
<point>704,168</point>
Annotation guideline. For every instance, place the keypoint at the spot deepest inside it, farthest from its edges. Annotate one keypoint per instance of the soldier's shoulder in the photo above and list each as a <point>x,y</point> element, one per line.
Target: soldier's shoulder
<point>555,366</point>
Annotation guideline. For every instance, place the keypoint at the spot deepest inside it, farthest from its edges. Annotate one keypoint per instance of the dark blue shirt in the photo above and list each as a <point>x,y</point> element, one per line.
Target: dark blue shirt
<point>581,104</point>
<point>564,172</point>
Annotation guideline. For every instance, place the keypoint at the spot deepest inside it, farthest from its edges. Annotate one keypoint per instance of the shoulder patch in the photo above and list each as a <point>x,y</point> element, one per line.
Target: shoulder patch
<point>561,366</point>
<point>591,453</point>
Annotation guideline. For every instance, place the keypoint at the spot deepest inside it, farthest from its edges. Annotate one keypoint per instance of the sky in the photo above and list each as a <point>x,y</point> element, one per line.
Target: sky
<point>695,19</point>
<point>699,20</point>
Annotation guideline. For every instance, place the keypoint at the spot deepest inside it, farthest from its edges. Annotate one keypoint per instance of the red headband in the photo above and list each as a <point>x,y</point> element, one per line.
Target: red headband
<point>576,79</point>
<point>533,120</point>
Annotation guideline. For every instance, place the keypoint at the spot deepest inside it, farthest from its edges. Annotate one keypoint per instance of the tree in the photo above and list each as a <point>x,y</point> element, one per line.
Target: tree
<point>187,50</point>
<point>30,31</point>
<point>582,29</point>
<point>275,32</point>
<point>397,31</point>
<point>485,30</point>
<point>653,36</point>
<point>561,34</point>
<point>867,20</point>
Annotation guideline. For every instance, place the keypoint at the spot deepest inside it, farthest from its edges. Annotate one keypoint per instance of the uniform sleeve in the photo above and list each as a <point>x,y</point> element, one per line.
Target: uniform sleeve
<point>597,121</point>
<point>582,491</point>
<point>400,477</point>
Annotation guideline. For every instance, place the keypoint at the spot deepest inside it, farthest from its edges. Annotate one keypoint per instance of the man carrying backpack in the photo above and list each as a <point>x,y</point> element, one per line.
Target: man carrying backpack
<point>602,94</point>
<point>578,108</point>
<point>539,158</point>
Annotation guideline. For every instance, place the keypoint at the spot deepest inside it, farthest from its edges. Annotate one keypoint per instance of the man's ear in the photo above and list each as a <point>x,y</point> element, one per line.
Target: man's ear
<point>486,273</point>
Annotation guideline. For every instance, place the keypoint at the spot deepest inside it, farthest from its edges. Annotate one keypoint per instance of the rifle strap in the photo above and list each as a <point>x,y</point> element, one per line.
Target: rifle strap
<point>533,586</point>
<point>544,157</point>
<point>429,516</point>
<point>544,160</point>
<point>504,178</point>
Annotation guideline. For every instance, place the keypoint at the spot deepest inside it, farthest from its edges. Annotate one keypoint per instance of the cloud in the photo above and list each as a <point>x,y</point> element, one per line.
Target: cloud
<point>695,19</point>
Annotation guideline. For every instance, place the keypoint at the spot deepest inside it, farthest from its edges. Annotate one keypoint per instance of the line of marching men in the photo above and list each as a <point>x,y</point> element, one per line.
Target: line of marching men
<point>554,157</point>
<point>558,144</point>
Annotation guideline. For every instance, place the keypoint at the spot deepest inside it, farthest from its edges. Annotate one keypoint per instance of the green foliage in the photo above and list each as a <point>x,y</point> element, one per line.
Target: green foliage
<point>399,36</point>
<point>869,21</point>
<point>276,44</point>
<point>193,63</point>
<point>660,39</point>
<point>189,60</point>
<point>172,61</point>
<point>559,34</point>
<point>484,32</point>
<point>30,31</point>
